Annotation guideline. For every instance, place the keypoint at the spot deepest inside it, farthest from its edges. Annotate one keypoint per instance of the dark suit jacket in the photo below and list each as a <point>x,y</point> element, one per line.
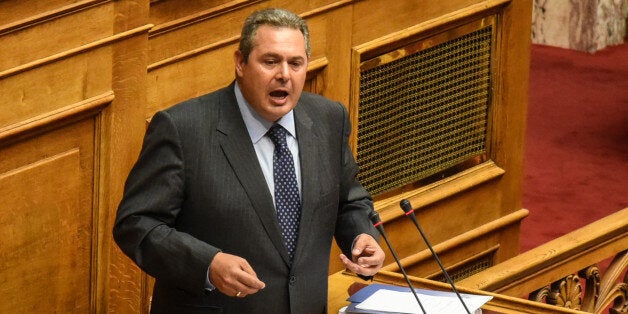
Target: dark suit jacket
<point>197,188</point>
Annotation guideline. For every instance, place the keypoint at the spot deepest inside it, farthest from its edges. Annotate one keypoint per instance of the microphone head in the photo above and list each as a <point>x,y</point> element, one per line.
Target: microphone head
<point>374,217</point>
<point>405,205</point>
<point>377,223</point>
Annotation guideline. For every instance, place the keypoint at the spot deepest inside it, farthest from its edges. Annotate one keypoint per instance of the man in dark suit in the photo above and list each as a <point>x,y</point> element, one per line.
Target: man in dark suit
<point>204,206</point>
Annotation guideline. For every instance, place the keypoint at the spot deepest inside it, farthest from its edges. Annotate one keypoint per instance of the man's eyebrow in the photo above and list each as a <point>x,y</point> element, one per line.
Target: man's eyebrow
<point>271,54</point>
<point>278,56</point>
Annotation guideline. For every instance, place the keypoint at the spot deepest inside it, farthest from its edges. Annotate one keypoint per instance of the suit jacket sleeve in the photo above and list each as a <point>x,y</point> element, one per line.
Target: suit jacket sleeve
<point>355,202</point>
<point>153,197</point>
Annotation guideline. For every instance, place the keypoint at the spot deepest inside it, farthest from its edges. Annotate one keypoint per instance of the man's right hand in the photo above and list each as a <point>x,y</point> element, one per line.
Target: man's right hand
<point>233,276</point>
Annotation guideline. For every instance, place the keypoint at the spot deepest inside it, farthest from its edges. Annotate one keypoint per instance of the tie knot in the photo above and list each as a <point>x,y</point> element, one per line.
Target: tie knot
<point>277,134</point>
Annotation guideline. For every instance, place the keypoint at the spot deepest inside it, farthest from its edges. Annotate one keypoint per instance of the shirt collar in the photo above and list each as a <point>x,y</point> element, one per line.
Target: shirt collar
<point>258,126</point>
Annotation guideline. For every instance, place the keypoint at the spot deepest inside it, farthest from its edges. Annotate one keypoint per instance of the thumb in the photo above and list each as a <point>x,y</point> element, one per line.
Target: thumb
<point>358,246</point>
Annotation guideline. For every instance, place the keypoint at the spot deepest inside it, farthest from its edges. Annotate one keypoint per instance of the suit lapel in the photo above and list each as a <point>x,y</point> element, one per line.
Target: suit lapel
<point>238,149</point>
<point>310,160</point>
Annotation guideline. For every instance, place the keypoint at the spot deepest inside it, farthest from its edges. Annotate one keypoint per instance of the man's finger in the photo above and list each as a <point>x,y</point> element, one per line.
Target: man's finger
<point>251,282</point>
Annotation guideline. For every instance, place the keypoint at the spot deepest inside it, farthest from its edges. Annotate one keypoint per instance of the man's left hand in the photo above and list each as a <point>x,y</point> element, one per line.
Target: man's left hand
<point>367,256</point>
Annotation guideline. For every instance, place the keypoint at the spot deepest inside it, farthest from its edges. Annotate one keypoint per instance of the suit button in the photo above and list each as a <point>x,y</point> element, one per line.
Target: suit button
<point>293,280</point>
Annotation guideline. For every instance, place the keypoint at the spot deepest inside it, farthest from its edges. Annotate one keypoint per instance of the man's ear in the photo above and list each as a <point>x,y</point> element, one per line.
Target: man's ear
<point>239,61</point>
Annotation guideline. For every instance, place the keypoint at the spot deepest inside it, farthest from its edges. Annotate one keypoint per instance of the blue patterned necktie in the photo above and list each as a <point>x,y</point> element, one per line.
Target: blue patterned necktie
<point>287,200</point>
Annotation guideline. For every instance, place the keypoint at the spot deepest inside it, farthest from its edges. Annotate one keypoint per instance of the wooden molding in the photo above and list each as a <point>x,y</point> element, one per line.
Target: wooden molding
<point>327,8</point>
<point>200,16</point>
<point>50,15</point>
<point>461,239</point>
<point>229,7</point>
<point>53,118</point>
<point>192,53</point>
<point>315,81</point>
<point>429,194</point>
<point>429,25</point>
<point>75,51</point>
<point>174,25</point>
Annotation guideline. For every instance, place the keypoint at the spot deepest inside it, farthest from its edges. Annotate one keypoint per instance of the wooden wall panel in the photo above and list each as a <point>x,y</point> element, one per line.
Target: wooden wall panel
<point>56,79</point>
<point>163,11</point>
<point>47,221</point>
<point>189,77</point>
<point>197,31</point>
<point>62,32</point>
<point>13,11</point>
<point>51,87</point>
<point>406,14</point>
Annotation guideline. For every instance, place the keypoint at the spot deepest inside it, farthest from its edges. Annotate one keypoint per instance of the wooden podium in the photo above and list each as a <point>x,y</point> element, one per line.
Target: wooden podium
<point>340,282</point>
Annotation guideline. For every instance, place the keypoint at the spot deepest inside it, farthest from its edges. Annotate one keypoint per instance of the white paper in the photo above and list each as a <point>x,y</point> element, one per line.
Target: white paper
<point>385,300</point>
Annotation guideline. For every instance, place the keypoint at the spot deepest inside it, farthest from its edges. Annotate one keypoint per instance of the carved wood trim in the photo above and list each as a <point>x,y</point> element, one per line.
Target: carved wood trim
<point>56,117</point>
<point>50,15</point>
<point>598,294</point>
<point>612,291</point>
<point>566,293</point>
<point>591,275</point>
<point>540,295</point>
<point>75,51</point>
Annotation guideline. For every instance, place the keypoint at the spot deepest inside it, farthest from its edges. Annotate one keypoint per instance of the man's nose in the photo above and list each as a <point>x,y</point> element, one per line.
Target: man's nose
<point>283,72</point>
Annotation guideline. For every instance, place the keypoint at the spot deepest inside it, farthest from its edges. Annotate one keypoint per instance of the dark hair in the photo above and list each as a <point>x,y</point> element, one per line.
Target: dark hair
<point>273,17</point>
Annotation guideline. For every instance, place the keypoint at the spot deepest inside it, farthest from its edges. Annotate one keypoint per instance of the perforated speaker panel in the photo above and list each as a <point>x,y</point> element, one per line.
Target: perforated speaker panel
<point>424,112</point>
<point>467,270</point>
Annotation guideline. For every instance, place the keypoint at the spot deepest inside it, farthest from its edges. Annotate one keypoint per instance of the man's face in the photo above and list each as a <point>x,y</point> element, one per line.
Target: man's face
<point>273,78</point>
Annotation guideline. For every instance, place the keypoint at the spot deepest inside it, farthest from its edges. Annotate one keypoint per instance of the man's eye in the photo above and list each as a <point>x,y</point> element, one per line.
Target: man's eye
<point>270,61</point>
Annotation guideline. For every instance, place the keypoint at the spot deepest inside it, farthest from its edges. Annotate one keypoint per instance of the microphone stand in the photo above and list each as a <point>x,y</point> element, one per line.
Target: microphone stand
<point>377,223</point>
<point>407,208</point>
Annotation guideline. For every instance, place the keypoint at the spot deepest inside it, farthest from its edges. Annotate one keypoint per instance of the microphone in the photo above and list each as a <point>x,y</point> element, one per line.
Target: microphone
<point>377,223</point>
<point>407,208</point>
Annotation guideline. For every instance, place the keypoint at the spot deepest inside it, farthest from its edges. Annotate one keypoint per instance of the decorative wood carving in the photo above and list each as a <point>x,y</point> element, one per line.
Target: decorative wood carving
<point>566,293</point>
<point>613,291</point>
<point>598,294</point>
<point>592,287</point>
<point>540,295</point>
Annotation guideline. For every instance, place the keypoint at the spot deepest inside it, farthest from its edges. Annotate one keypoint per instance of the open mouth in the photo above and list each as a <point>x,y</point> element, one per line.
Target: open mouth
<point>279,94</point>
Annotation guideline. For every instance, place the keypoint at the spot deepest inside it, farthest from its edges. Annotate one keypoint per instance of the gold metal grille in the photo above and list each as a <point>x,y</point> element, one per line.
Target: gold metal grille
<point>424,113</point>
<point>467,270</point>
